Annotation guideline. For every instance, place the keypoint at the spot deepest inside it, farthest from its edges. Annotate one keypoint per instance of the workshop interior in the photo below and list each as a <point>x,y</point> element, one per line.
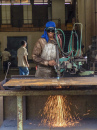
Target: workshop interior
<point>67,101</point>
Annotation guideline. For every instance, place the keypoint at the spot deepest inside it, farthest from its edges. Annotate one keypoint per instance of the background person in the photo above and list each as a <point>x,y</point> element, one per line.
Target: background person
<point>5,59</point>
<point>22,59</point>
<point>44,52</point>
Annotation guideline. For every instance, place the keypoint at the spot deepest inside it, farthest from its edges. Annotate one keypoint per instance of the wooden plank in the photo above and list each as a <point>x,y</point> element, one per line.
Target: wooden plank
<point>47,92</point>
<point>70,81</point>
<point>1,110</point>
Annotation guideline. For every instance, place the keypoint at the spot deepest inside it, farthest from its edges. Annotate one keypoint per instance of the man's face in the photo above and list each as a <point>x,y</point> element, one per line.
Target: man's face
<point>50,32</point>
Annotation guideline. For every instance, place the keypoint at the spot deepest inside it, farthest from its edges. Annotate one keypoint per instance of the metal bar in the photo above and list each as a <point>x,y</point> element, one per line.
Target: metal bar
<point>85,23</point>
<point>47,92</point>
<point>19,113</point>
<point>22,76</point>
<point>95,23</point>
<point>24,108</point>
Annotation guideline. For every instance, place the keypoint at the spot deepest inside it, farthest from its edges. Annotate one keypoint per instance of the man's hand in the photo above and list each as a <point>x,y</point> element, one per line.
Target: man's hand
<point>52,62</point>
<point>27,65</point>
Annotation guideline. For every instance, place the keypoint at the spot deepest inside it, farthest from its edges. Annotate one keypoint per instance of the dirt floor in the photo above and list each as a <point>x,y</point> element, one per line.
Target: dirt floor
<point>87,124</point>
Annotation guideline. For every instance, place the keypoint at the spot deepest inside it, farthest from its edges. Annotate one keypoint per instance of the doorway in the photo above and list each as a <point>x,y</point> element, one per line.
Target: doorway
<point>13,44</point>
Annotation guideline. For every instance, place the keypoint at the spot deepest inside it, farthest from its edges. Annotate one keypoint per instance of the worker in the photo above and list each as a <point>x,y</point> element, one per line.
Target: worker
<point>22,59</point>
<point>5,56</point>
<point>44,52</point>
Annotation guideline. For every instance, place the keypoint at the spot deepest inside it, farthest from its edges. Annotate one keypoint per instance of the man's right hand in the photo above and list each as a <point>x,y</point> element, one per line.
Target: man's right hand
<point>52,62</point>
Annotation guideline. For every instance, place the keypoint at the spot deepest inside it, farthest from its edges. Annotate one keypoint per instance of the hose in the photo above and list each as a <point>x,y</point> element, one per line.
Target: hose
<point>70,47</point>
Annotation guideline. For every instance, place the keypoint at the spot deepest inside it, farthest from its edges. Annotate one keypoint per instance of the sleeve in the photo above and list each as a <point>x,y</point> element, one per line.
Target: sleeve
<point>9,54</point>
<point>25,52</point>
<point>36,54</point>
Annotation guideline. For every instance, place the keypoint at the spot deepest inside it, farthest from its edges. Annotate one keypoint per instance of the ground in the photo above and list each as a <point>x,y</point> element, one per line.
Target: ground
<point>87,124</point>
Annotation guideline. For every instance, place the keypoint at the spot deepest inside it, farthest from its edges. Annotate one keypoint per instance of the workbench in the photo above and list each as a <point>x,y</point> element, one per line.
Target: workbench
<point>40,87</point>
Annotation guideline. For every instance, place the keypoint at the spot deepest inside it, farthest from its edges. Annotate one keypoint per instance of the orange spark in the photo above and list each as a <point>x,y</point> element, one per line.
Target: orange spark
<point>57,113</point>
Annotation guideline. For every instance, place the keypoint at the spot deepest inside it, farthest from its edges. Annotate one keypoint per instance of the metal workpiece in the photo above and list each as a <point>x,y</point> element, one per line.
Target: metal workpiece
<point>40,82</point>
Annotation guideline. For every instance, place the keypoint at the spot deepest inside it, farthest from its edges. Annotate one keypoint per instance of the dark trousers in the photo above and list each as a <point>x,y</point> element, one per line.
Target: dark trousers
<point>5,66</point>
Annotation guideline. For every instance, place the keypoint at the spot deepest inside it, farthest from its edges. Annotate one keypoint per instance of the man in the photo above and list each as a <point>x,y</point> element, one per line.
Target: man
<point>22,59</point>
<point>44,52</point>
<point>5,58</point>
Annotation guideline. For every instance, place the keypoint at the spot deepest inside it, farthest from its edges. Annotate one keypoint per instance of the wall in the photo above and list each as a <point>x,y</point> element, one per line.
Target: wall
<point>86,16</point>
<point>85,106</point>
<point>58,11</point>
<point>32,37</point>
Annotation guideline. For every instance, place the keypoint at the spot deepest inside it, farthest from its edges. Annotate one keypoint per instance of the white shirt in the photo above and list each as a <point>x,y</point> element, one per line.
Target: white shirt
<point>22,51</point>
<point>5,55</point>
